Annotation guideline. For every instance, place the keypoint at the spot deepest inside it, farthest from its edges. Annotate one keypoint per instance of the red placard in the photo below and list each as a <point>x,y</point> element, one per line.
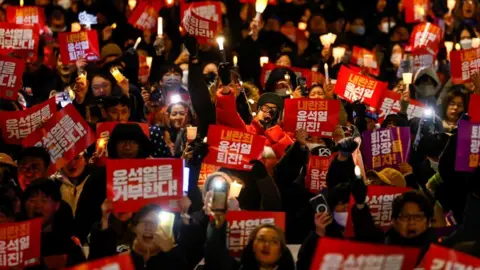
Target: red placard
<point>122,261</point>
<point>353,86</point>
<point>422,59</point>
<point>242,223</point>
<point>426,37</point>
<point>144,16</point>
<point>318,117</point>
<point>21,40</point>
<point>208,10</point>
<point>231,148</point>
<point>379,200</point>
<point>299,72</point>
<point>439,258</point>
<point>26,16</point>
<point>463,64</point>
<point>390,104</point>
<point>64,136</point>
<point>205,171</point>
<point>76,45</point>
<point>342,254</point>
<point>11,72</point>
<point>195,23</point>
<point>474,108</point>
<point>316,178</point>
<point>133,183</point>
<point>270,2</point>
<point>415,10</point>
<point>358,54</point>
<point>104,129</point>
<point>18,125</point>
<point>20,244</point>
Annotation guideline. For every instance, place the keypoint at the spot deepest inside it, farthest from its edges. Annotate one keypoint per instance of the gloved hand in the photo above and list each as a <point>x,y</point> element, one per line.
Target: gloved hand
<point>200,151</point>
<point>224,72</point>
<point>130,51</point>
<point>259,170</point>
<point>359,190</point>
<point>359,108</point>
<point>192,45</point>
<point>159,45</point>
<point>347,145</point>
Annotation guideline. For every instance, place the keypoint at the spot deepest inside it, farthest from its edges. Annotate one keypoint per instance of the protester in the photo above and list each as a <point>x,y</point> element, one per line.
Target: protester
<point>191,117</point>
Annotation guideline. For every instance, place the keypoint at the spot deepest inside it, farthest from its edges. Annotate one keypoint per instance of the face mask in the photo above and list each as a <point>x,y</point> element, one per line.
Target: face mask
<point>359,30</point>
<point>385,28</point>
<point>65,4</point>
<point>396,58</point>
<point>341,218</point>
<point>282,92</point>
<point>466,44</point>
<point>172,82</point>
<point>185,79</point>
<point>427,90</point>
<point>434,165</point>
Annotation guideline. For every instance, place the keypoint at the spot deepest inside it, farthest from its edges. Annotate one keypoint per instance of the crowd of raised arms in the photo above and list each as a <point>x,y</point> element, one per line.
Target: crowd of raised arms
<point>240,134</point>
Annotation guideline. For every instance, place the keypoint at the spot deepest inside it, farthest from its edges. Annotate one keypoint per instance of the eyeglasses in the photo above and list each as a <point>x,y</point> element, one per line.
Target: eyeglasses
<point>264,241</point>
<point>414,217</point>
<point>266,108</point>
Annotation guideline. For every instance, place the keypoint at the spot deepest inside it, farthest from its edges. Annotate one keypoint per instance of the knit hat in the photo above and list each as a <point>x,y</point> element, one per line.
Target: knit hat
<point>6,160</point>
<point>271,98</point>
<point>110,49</point>
<point>131,132</point>
<point>390,177</point>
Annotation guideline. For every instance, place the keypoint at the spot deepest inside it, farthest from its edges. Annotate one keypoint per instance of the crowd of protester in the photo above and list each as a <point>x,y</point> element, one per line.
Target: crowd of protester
<point>188,84</point>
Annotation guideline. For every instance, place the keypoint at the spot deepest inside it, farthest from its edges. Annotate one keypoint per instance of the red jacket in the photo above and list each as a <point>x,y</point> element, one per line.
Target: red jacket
<point>227,115</point>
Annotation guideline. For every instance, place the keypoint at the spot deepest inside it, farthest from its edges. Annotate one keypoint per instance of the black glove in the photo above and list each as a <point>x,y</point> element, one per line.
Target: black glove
<point>192,45</point>
<point>347,145</point>
<point>359,190</point>
<point>258,170</point>
<point>130,51</point>
<point>200,151</point>
<point>359,108</point>
<point>224,71</point>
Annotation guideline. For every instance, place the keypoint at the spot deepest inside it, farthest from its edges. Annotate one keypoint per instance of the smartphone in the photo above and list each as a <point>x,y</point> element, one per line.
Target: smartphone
<point>166,222</point>
<point>63,98</point>
<point>220,196</point>
<point>319,204</point>
<point>302,82</point>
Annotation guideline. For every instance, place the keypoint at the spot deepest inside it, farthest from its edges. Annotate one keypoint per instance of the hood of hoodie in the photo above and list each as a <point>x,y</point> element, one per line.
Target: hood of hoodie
<point>430,72</point>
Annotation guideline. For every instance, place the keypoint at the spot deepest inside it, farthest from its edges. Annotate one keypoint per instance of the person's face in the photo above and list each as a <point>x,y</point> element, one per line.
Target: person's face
<point>411,221</point>
<point>118,113</point>
<point>4,219</point>
<point>358,22</point>
<point>267,247</point>
<point>272,25</point>
<point>127,149</point>
<point>101,87</point>
<point>146,229</point>
<point>58,25</point>
<point>64,70</point>
<point>400,34</point>
<point>75,167</point>
<point>3,16</point>
<point>318,25</point>
<point>39,205</point>
<point>381,4</point>
<point>371,124</point>
<point>317,93</point>
<point>30,169</point>
<point>468,9</point>
<point>455,108</point>
<point>266,112</point>
<point>465,35</point>
<point>177,116</point>
<point>284,61</point>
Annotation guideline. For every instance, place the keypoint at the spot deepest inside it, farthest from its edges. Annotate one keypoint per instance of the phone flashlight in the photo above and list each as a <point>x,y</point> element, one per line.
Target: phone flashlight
<point>175,98</point>
<point>428,112</point>
<point>358,173</point>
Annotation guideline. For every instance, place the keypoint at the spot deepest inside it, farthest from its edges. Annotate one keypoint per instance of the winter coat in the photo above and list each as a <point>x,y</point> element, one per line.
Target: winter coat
<point>217,256</point>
